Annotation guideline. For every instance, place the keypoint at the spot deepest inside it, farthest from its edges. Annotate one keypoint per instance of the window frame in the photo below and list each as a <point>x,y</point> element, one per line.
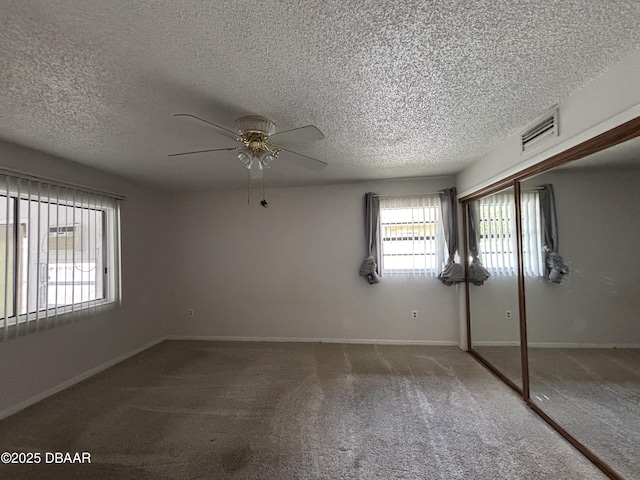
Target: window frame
<point>492,259</point>
<point>30,293</point>
<point>436,238</point>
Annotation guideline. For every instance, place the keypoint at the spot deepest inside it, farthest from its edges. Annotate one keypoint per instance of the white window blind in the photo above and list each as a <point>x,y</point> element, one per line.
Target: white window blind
<point>58,253</point>
<point>497,230</point>
<point>496,242</point>
<point>532,238</point>
<point>411,237</point>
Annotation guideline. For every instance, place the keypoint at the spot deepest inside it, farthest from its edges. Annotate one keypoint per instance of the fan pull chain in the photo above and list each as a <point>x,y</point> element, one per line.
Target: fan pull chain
<point>248,187</point>
<point>263,202</point>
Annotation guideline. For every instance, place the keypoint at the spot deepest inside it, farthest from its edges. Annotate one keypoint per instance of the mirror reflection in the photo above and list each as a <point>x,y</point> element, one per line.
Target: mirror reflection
<point>583,300</point>
<point>493,288</point>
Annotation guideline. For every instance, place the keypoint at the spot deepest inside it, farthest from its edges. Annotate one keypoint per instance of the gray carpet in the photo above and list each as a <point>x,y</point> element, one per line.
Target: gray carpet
<point>595,395</point>
<point>204,410</point>
<point>507,360</point>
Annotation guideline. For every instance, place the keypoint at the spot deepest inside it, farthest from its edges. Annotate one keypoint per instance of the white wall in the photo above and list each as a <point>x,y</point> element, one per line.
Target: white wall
<point>291,271</point>
<point>489,303</point>
<point>36,363</point>
<point>598,106</point>
<point>598,303</point>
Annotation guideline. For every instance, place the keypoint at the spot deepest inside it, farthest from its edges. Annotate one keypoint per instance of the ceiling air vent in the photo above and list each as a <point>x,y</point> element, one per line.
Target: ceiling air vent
<point>540,132</point>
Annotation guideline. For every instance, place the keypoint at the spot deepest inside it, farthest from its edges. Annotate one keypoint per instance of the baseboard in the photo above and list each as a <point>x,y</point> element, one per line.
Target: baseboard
<point>439,343</point>
<point>556,345</point>
<point>501,343</point>
<point>583,345</point>
<point>83,376</point>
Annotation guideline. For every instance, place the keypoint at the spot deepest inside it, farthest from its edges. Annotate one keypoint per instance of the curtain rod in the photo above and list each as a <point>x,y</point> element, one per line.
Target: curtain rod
<point>407,196</point>
<point>524,190</point>
<point>8,172</point>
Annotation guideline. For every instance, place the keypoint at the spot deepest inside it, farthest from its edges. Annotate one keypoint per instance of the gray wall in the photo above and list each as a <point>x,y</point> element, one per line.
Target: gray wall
<point>36,363</point>
<point>291,271</point>
<point>598,303</point>
<point>489,303</point>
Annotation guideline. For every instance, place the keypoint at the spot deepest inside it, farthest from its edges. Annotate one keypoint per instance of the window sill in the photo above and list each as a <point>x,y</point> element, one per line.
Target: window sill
<point>45,320</point>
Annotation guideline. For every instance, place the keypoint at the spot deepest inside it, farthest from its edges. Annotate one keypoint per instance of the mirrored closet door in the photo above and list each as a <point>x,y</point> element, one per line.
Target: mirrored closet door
<point>583,310</point>
<point>493,284</point>
<point>559,244</point>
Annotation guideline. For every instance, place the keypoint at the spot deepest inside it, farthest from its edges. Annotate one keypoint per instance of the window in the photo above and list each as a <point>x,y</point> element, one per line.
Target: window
<point>496,234</point>
<point>411,240</point>
<point>58,250</point>
<point>532,236</point>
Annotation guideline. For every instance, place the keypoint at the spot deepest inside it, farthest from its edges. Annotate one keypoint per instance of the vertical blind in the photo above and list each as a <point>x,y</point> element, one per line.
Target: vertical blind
<point>497,230</point>
<point>58,251</point>
<point>532,238</point>
<point>411,237</point>
<point>496,233</point>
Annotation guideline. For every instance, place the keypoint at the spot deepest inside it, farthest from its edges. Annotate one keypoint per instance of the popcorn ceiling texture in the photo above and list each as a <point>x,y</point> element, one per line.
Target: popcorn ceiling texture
<point>399,89</point>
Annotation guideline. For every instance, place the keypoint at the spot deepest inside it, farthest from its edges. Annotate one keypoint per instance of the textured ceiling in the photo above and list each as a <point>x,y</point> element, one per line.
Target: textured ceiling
<point>399,88</point>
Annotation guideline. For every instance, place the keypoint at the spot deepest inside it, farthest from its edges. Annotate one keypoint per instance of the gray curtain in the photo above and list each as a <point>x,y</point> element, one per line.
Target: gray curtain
<point>477,273</point>
<point>555,266</point>
<point>369,268</point>
<point>453,272</point>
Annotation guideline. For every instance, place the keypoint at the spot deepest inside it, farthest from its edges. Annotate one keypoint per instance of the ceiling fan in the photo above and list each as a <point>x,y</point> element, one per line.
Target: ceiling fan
<point>261,145</point>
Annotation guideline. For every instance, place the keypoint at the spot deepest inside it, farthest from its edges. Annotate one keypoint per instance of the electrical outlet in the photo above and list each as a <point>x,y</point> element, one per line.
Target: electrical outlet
<point>507,314</point>
<point>414,313</point>
<point>191,312</point>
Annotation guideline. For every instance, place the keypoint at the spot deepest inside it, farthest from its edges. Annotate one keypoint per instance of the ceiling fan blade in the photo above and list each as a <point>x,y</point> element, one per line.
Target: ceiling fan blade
<point>202,151</point>
<point>304,161</point>
<point>223,130</point>
<point>297,135</point>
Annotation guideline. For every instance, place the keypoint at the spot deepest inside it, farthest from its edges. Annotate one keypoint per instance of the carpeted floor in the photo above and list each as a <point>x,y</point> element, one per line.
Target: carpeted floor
<point>507,360</point>
<point>594,393</point>
<point>204,410</point>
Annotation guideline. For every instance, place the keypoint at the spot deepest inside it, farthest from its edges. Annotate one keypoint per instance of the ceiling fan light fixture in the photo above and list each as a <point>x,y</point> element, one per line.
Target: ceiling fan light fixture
<point>258,149</point>
<point>266,160</point>
<point>255,123</point>
<point>245,158</point>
